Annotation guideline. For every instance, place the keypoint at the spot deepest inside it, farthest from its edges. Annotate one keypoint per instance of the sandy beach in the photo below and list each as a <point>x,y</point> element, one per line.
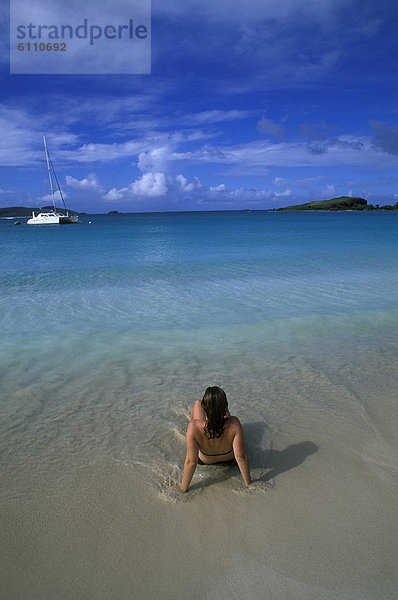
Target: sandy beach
<point>325,530</point>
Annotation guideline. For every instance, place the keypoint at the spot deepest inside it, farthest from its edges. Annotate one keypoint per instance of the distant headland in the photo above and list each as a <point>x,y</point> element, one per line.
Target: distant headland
<point>334,204</point>
<point>340,203</point>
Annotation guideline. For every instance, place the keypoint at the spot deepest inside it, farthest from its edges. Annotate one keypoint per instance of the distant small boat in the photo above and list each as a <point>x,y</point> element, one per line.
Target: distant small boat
<point>52,217</point>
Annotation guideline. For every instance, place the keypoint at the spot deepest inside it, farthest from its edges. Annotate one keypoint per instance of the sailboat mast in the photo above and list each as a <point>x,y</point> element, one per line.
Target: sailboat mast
<point>49,171</point>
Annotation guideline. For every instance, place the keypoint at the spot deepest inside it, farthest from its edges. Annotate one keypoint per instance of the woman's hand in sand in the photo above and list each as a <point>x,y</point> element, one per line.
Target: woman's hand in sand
<point>260,484</point>
<point>174,488</point>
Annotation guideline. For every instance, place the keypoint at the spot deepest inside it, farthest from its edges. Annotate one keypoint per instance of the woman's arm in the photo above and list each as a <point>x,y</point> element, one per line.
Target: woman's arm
<point>191,459</point>
<point>239,448</point>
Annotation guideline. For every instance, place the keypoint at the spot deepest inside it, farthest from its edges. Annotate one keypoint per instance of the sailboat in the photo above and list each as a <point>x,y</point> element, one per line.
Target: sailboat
<point>52,217</point>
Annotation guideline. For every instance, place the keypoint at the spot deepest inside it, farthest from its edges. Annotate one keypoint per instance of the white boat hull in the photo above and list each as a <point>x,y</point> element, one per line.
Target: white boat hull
<point>52,218</point>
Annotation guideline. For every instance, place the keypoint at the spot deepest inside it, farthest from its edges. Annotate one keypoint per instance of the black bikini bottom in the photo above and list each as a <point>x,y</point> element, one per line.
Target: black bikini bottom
<point>220,462</point>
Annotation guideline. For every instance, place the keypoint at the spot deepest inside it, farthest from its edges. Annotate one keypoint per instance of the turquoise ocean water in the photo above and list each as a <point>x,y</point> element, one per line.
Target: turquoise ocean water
<point>111,329</point>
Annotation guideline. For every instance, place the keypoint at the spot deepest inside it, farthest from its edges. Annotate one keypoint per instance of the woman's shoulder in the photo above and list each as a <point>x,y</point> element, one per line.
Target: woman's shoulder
<point>233,419</point>
<point>195,426</point>
<point>233,423</point>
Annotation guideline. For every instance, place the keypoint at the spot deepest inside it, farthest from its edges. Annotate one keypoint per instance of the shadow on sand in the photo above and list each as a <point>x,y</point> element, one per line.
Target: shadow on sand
<point>274,461</point>
<point>289,458</point>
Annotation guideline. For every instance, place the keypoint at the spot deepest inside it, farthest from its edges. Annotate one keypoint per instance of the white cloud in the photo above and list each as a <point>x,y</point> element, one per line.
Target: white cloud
<point>214,116</point>
<point>150,185</point>
<point>256,157</point>
<point>114,195</point>
<point>285,193</point>
<point>184,186</point>
<point>279,181</point>
<point>153,160</point>
<point>183,181</point>
<point>243,196</point>
<point>89,153</point>
<point>89,183</point>
<point>48,199</point>
<point>21,141</point>
<point>218,188</point>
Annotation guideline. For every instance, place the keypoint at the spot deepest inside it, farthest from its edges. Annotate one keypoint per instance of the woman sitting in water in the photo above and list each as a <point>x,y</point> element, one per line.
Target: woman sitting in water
<point>213,436</point>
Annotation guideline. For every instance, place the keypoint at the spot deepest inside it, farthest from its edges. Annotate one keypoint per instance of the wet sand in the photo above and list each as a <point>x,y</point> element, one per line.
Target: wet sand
<point>325,530</point>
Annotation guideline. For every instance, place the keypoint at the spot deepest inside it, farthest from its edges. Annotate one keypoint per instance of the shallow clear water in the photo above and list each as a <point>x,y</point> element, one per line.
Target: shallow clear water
<point>111,330</point>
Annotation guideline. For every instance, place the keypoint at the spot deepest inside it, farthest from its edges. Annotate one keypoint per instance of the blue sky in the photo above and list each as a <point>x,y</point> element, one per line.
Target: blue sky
<point>256,104</point>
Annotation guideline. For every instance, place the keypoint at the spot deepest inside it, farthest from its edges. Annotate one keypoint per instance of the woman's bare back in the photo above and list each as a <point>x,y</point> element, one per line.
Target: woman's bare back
<point>215,449</point>
<point>228,446</point>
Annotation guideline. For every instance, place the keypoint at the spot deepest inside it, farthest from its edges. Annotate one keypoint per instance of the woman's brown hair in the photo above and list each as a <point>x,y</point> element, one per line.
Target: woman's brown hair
<point>215,405</point>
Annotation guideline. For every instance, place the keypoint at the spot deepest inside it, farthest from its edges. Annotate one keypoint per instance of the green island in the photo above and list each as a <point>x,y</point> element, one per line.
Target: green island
<point>334,204</point>
<point>340,203</point>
